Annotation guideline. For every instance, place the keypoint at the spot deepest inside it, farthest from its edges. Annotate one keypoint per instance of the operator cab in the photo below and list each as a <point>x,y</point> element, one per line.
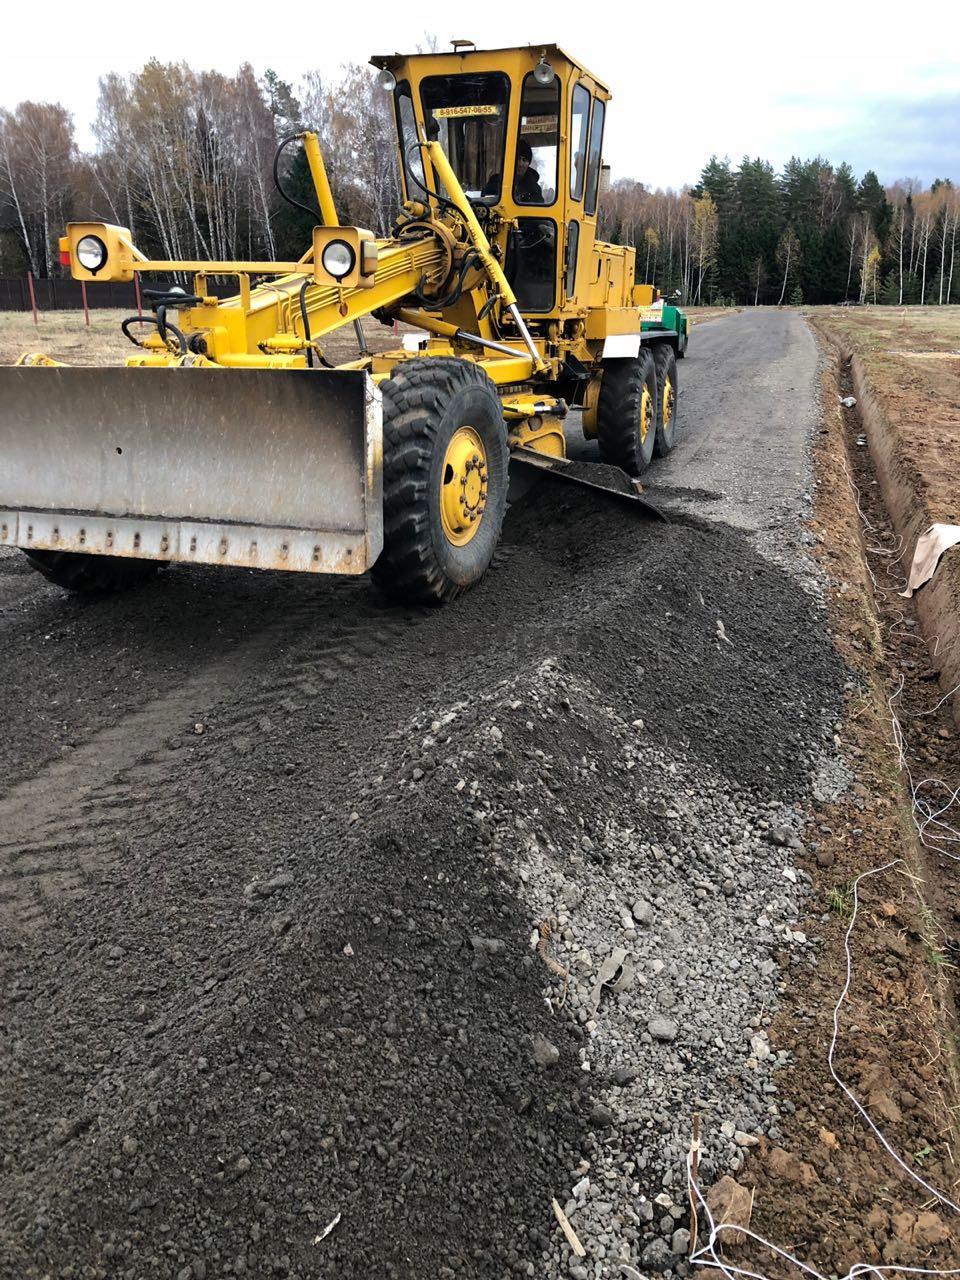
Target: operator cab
<point>499,116</point>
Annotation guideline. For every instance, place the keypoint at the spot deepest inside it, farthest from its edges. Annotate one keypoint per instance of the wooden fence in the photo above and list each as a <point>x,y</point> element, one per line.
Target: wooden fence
<point>67,295</point>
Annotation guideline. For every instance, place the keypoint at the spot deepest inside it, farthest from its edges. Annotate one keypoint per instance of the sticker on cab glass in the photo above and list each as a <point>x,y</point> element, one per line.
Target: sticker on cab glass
<point>448,113</point>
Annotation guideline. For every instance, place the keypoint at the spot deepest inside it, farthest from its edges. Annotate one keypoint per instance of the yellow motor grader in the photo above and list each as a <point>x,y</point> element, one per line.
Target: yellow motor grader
<point>228,438</point>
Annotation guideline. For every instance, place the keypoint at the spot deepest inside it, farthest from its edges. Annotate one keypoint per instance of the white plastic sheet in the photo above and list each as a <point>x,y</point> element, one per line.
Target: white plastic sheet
<point>931,545</point>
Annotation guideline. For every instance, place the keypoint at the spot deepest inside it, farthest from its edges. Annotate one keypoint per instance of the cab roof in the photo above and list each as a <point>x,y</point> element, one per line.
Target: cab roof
<point>393,60</point>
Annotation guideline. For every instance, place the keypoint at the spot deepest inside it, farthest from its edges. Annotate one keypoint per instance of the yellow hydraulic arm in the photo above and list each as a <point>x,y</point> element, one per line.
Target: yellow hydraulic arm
<point>278,323</point>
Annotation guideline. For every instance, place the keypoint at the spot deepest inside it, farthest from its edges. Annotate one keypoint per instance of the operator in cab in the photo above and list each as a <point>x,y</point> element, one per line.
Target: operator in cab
<point>526,181</point>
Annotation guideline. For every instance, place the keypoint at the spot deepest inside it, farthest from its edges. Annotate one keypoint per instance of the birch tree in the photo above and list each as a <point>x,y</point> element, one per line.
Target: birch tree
<point>705,225</point>
<point>651,240</point>
<point>788,256</point>
<point>37,161</point>
<point>925,205</point>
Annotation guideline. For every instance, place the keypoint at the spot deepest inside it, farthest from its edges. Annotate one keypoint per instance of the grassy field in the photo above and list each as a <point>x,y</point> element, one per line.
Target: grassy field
<point>64,336</point>
<point>911,357</point>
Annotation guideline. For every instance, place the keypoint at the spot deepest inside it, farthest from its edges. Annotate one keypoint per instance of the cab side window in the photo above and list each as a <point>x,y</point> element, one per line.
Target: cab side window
<point>570,262</point>
<point>538,144</point>
<point>410,156</point>
<point>580,118</point>
<point>593,157</point>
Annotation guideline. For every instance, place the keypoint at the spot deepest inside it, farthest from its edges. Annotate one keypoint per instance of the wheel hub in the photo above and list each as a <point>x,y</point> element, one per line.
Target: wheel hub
<point>646,414</point>
<point>668,400</point>
<point>463,486</point>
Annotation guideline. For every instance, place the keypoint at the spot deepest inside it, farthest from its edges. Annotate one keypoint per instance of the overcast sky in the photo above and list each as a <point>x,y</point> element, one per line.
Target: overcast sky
<point>848,80</point>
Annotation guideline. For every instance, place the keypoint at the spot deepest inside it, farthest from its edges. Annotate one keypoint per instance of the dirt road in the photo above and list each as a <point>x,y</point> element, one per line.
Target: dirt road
<point>272,852</point>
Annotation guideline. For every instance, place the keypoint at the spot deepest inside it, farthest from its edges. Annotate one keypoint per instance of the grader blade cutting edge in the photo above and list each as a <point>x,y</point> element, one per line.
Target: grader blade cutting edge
<point>611,481</point>
<point>273,469</point>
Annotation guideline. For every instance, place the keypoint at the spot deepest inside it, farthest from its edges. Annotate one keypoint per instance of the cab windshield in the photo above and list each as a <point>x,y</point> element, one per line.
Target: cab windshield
<point>467,115</point>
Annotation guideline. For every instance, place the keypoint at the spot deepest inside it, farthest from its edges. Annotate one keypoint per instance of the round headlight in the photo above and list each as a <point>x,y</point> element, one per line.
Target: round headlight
<point>543,73</point>
<point>338,259</point>
<point>91,253</point>
<point>387,80</point>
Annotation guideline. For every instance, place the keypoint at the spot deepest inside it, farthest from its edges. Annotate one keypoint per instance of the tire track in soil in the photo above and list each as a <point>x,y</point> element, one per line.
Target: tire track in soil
<point>66,821</point>
<point>76,814</point>
<point>77,665</point>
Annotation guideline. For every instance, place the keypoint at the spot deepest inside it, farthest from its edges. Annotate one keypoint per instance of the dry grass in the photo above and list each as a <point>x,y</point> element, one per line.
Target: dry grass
<point>700,315</point>
<point>64,336</point>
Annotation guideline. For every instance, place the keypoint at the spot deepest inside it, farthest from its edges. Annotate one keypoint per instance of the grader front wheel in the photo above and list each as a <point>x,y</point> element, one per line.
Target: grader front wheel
<point>445,462</point>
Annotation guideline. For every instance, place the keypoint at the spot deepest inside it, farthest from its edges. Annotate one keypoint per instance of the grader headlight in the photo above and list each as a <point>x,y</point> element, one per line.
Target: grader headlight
<point>345,256</point>
<point>99,251</point>
<point>91,253</point>
<point>338,259</point>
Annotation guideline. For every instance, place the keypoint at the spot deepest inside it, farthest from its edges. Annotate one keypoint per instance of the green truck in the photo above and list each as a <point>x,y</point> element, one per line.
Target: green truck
<point>662,315</point>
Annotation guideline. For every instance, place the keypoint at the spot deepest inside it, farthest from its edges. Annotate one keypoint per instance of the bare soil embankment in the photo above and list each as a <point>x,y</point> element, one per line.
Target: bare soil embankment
<point>903,366</point>
<point>700,315</point>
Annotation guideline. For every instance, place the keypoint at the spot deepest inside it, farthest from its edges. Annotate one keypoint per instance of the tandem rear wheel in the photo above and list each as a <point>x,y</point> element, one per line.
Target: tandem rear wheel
<point>665,362</point>
<point>445,464</point>
<point>627,412</point>
<point>637,408</point>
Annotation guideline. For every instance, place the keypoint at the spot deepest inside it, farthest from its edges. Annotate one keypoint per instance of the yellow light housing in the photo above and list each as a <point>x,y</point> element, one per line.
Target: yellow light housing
<point>99,251</point>
<point>345,256</point>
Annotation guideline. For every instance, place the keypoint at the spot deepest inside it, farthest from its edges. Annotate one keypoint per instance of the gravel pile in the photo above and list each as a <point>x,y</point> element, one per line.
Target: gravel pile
<point>671,899</point>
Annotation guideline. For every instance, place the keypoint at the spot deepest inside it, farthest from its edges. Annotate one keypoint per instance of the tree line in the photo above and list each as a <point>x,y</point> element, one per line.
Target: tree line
<point>812,233</point>
<point>185,159</point>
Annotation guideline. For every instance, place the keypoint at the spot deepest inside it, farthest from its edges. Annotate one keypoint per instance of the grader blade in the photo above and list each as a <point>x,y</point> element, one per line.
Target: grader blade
<point>264,468</point>
<point>605,479</point>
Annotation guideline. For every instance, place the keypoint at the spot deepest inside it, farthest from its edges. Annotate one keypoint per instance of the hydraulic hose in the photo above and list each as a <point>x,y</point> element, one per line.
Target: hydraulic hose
<point>163,328</point>
<point>431,195</point>
<point>311,213</point>
<point>305,317</point>
<point>306,322</point>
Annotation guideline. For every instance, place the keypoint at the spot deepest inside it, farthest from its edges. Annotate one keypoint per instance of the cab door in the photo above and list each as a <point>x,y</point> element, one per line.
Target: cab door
<point>533,248</point>
<point>581,264</point>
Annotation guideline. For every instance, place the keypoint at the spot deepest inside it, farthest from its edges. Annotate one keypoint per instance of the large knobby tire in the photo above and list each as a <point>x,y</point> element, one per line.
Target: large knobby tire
<point>79,571</point>
<point>445,461</point>
<point>627,412</point>
<point>668,402</point>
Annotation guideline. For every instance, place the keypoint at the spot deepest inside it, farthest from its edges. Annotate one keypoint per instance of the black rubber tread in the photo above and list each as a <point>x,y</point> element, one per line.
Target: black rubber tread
<point>424,401</point>
<point>665,361</point>
<point>618,412</point>
<point>79,571</point>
